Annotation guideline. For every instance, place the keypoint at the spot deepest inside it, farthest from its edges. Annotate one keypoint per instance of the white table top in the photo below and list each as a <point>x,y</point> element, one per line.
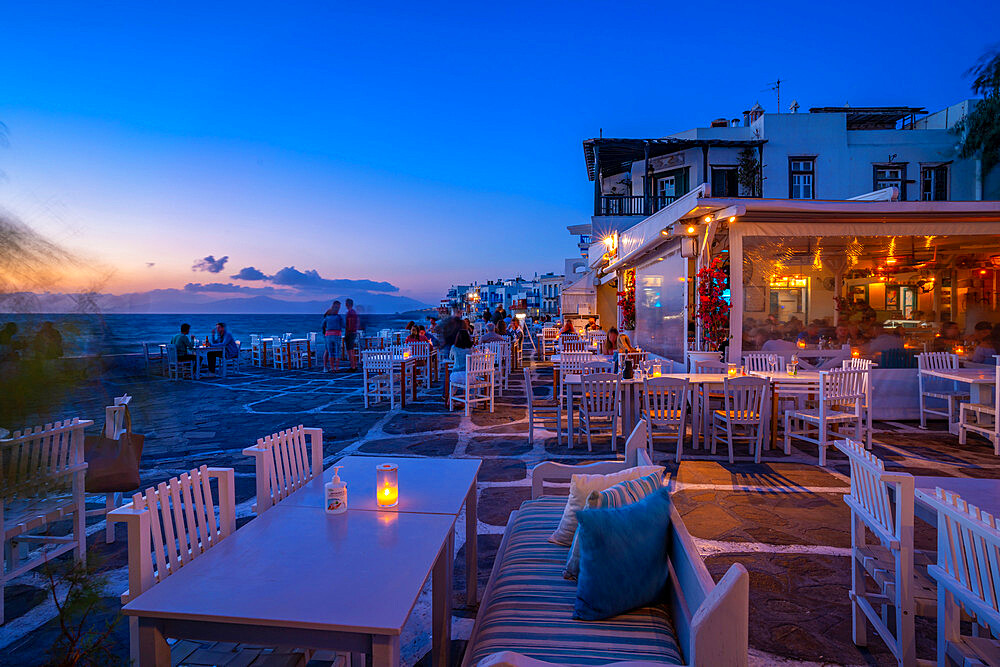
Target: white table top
<point>429,485</point>
<point>699,378</point>
<point>983,493</point>
<point>969,375</point>
<point>802,377</point>
<point>300,567</point>
<point>556,358</point>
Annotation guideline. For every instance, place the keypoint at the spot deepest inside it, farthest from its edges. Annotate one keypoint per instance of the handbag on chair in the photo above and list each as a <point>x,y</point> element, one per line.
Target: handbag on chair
<point>113,464</point>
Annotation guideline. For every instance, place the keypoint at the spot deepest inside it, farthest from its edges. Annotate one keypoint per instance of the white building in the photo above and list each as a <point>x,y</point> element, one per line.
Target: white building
<point>550,286</point>
<point>830,153</point>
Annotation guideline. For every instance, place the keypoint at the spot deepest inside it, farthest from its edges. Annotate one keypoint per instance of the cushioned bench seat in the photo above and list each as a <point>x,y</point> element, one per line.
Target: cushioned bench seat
<point>531,606</point>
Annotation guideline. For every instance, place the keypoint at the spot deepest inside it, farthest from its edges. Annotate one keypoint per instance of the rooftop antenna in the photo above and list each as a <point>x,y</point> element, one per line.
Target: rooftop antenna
<point>776,87</point>
<point>600,133</point>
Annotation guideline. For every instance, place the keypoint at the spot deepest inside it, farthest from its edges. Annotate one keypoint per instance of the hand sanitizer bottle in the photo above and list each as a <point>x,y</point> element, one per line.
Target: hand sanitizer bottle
<point>336,493</point>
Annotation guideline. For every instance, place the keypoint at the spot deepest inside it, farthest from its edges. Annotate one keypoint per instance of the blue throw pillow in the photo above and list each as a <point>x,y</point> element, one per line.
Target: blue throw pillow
<point>623,557</point>
<point>622,493</point>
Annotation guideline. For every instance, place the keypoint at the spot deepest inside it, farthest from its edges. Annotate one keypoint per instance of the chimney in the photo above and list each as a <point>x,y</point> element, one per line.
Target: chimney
<point>746,118</point>
<point>734,122</point>
<point>719,122</point>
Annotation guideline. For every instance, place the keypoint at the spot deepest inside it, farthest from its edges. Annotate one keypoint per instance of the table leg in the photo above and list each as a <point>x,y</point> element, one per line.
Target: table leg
<point>402,379</point>
<point>773,439</point>
<point>555,381</point>
<point>413,373</point>
<point>569,414</point>
<point>153,648</point>
<point>385,650</point>
<point>471,557</point>
<point>441,611</point>
<point>447,383</point>
<point>197,365</point>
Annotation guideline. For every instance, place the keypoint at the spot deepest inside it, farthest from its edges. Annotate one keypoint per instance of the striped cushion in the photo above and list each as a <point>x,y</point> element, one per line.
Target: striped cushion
<point>622,493</point>
<point>530,610</point>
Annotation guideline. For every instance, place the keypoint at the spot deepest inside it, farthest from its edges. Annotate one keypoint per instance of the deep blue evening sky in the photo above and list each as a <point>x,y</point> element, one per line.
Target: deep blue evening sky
<point>404,142</point>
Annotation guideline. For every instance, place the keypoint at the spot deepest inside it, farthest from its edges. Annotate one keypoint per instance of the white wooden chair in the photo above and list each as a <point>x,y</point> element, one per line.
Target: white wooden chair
<point>281,354</point>
<point>153,355</point>
<point>841,396</point>
<point>968,578</point>
<point>704,399</point>
<point>743,417</point>
<point>574,345</point>
<point>478,385</point>
<point>41,482</point>
<point>665,409</point>
<point>261,351</point>
<point>864,365</point>
<point>597,338</point>
<point>597,367</point>
<point>500,349</point>
<point>901,589</point>
<point>550,411</point>
<point>571,336</point>
<point>638,358</point>
<point>422,351</point>
<point>231,364</point>
<point>298,354</point>
<point>762,362</point>
<point>571,363</point>
<point>549,337</point>
<point>600,399</point>
<point>931,387</point>
<point>981,418</point>
<point>176,369</point>
<point>284,462</point>
<point>170,526</point>
<point>379,376</point>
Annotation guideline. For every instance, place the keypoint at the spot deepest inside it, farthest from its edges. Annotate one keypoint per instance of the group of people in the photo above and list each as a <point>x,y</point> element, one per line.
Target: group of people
<point>866,333</point>
<point>47,343</point>
<point>337,328</point>
<point>615,341</point>
<point>220,340</point>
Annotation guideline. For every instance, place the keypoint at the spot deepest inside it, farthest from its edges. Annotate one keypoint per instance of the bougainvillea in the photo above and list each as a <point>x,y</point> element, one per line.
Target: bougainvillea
<point>626,300</point>
<point>712,309</point>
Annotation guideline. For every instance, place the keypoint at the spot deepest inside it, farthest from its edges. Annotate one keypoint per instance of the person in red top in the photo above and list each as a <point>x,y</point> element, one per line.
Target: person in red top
<point>351,325</point>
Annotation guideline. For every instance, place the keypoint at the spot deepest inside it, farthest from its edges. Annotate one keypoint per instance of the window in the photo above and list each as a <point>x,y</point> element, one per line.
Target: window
<point>666,186</point>
<point>724,182</point>
<point>934,183</point>
<point>801,178</point>
<point>890,175</point>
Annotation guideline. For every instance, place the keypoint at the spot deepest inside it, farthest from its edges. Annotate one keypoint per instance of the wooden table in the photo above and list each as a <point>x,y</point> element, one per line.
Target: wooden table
<point>983,493</point>
<point>446,381</point>
<point>426,485</point>
<point>803,381</point>
<point>556,358</point>
<point>298,577</point>
<point>405,363</point>
<point>980,381</point>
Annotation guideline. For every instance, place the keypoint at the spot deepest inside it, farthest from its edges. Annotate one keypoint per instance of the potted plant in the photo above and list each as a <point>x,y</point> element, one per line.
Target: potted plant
<point>626,304</point>
<point>712,311</point>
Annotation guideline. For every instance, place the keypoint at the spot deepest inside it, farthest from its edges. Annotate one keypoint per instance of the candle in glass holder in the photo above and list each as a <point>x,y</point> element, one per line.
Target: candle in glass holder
<point>855,353</point>
<point>802,343</point>
<point>732,370</point>
<point>959,349</point>
<point>387,485</point>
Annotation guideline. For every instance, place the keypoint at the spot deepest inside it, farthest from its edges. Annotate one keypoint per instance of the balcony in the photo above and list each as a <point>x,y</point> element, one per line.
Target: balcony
<point>631,204</point>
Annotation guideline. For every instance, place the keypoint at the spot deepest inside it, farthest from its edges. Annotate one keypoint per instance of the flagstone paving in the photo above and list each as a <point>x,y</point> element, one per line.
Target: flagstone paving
<point>784,519</point>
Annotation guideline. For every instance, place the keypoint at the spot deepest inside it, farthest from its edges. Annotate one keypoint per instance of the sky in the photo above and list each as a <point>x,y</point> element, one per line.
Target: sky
<point>414,144</point>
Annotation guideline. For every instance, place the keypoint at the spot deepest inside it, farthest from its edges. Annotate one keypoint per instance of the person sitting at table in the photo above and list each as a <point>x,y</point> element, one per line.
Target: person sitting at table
<point>409,325</point>
<point>883,340</point>
<point>592,324</point>
<point>515,330</point>
<point>491,334</point>
<point>48,342</point>
<point>417,335</point>
<point>222,338</point>
<point>616,342</point>
<point>948,337</point>
<point>985,344</point>
<point>567,327</point>
<point>182,341</point>
<point>459,351</point>
<point>777,344</point>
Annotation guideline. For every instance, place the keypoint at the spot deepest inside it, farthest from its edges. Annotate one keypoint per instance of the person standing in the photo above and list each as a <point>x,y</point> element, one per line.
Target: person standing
<point>333,329</point>
<point>351,325</point>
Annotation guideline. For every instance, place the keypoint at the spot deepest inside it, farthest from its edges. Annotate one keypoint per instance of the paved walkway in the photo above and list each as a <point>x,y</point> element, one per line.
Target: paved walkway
<point>783,519</point>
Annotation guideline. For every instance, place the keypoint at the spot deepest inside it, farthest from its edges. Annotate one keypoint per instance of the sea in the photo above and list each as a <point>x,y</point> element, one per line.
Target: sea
<point>115,333</point>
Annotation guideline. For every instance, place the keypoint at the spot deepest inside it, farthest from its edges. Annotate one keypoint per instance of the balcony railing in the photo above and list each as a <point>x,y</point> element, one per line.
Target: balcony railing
<point>631,204</point>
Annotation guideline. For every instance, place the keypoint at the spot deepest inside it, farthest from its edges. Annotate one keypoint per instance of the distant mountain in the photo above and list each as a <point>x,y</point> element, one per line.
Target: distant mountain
<point>180,301</point>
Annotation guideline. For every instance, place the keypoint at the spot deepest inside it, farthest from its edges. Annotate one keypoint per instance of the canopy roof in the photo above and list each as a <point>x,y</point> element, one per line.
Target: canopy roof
<point>872,118</point>
<point>615,155</point>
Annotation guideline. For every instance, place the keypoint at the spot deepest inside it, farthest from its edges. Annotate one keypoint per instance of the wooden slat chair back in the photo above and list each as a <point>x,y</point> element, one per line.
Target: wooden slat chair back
<point>477,385</point>
<point>841,400</point>
<point>882,503</point>
<point>298,354</point>
<point>597,367</point>
<point>571,363</point>
<point>371,343</point>
<point>379,376</point>
<point>41,481</point>
<point>638,358</point>
<point>285,461</point>
<point>177,369</point>
<point>745,402</point>
<point>422,351</point>
<point>665,409</point>
<point>550,411</point>
<point>600,398</point>
<point>968,578</point>
<point>762,362</point>
<point>571,336</point>
<point>171,525</point>
<point>503,361</point>
<point>280,354</point>
<point>597,338</point>
<point>549,337</point>
<point>567,345</point>
<point>153,355</point>
<point>866,365</point>
<point>939,388</point>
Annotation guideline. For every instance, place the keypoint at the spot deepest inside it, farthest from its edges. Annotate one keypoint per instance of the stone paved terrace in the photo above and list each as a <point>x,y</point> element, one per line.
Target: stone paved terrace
<point>783,519</point>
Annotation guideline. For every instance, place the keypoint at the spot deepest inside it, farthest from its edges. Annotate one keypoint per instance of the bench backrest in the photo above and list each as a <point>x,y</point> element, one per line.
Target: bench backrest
<point>36,459</point>
<point>285,462</point>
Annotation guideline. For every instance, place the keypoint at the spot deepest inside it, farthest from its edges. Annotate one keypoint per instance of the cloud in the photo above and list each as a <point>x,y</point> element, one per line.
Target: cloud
<point>250,273</point>
<point>150,265</point>
<point>311,280</point>
<point>230,288</point>
<point>210,264</point>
